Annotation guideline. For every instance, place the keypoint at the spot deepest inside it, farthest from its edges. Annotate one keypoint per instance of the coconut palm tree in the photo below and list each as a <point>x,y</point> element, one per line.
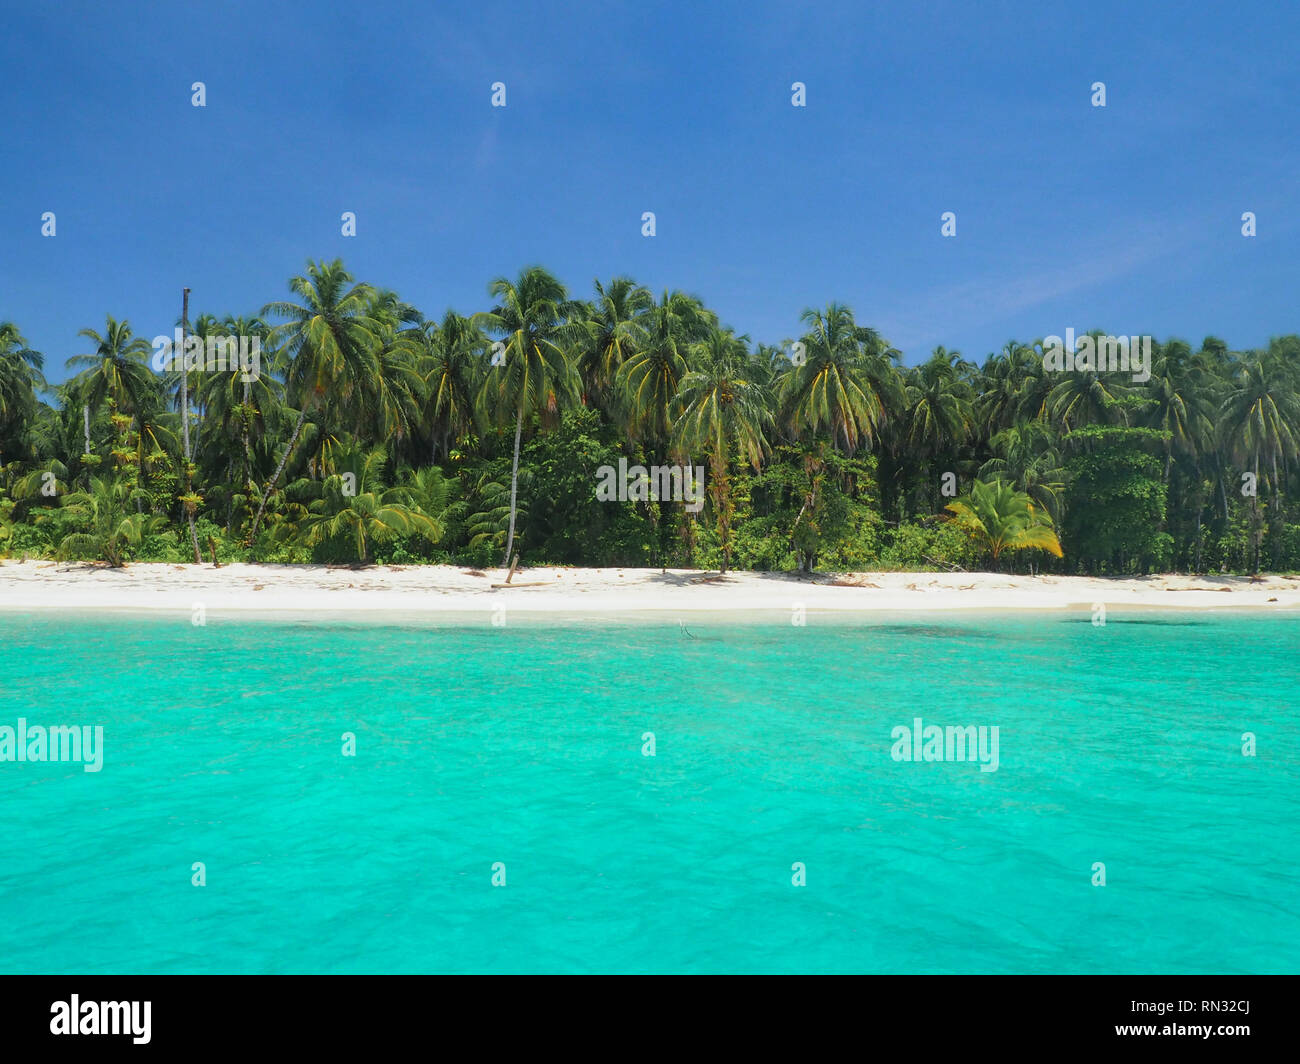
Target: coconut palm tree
<point>835,389</point>
<point>720,412</point>
<point>118,370</point>
<point>330,345</point>
<point>1260,422</point>
<point>20,377</point>
<point>364,511</point>
<point>239,414</point>
<point>396,394</point>
<point>939,416</point>
<point>651,374</point>
<point>535,321</point>
<point>1000,518</point>
<point>1087,397</point>
<point>1178,401</point>
<point>451,366</point>
<point>1025,457</point>
<point>649,379</point>
<point>109,525</point>
<point>616,324</point>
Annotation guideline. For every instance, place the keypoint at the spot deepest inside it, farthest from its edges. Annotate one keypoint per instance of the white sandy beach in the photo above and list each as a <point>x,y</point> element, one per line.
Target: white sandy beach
<point>42,585</point>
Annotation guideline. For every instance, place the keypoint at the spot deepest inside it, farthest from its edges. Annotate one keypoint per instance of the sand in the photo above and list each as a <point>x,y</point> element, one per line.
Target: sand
<point>44,585</point>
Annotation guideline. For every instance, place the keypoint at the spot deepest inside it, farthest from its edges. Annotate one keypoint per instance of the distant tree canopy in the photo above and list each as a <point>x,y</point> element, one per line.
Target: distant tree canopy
<point>372,433</point>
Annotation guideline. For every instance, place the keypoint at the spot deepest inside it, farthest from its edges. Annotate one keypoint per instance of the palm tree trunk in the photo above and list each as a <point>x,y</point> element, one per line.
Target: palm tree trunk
<point>185,425</point>
<point>248,473</point>
<point>1199,509</point>
<point>278,470</point>
<point>85,422</point>
<point>1255,521</point>
<point>1223,490</point>
<point>514,485</point>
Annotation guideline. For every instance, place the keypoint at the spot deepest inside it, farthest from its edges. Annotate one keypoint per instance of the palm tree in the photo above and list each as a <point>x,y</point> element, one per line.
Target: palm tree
<point>534,318</point>
<point>1005,383</point>
<point>396,394</point>
<point>1259,419</point>
<point>119,369</point>
<point>617,327</point>
<point>371,515</point>
<point>1000,518</point>
<point>651,373</point>
<point>939,416</point>
<point>110,527</point>
<point>452,368</point>
<point>20,376</point>
<point>330,346</point>
<point>836,389</point>
<point>720,410</point>
<point>241,413</point>
<point>649,379</point>
<point>1178,401</point>
<point>1024,455</point>
<point>1087,397</point>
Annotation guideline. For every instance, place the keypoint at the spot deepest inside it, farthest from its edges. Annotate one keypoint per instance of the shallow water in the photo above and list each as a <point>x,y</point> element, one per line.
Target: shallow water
<point>523,745</point>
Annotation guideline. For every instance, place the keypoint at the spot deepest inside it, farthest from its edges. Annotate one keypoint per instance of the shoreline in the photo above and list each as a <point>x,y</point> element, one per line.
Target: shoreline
<point>436,590</point>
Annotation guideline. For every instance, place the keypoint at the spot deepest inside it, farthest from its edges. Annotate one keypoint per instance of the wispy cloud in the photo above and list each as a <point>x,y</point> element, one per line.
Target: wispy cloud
<point>941,314</point>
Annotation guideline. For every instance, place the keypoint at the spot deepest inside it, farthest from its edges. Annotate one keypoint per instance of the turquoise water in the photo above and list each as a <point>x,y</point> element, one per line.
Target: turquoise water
<point>523,745</point>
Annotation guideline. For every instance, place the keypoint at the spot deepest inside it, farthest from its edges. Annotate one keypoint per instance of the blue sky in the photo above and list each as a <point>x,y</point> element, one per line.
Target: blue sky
<point>1125,218</point>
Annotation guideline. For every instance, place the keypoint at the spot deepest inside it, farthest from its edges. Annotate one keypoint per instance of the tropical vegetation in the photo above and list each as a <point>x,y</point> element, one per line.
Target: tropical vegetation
<point>375,434</point>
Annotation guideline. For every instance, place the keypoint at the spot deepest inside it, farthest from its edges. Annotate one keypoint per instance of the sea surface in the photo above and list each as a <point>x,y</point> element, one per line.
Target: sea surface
<point>523,748</point>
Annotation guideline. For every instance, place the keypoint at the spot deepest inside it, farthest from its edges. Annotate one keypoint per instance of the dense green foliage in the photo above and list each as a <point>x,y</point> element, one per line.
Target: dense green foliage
<point>373,433</point>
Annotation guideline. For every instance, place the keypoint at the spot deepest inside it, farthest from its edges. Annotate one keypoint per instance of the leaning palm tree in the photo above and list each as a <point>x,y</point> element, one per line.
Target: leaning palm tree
<point>330,346</point>
<point>535,320</point>
<point>1000,518</point>
<point>720,411</point>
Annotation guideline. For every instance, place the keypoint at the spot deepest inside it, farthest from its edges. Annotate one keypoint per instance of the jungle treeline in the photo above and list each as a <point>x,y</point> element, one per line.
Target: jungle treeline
<point>372,433</point>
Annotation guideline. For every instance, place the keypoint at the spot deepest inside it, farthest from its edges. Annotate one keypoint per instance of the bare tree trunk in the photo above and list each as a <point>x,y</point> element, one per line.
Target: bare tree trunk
<point>1255,522</point>
<point>514,484</point>
<point>85,421</point>
<point>185,425</point>
<point>278,470</point>
<point>248,472</point>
